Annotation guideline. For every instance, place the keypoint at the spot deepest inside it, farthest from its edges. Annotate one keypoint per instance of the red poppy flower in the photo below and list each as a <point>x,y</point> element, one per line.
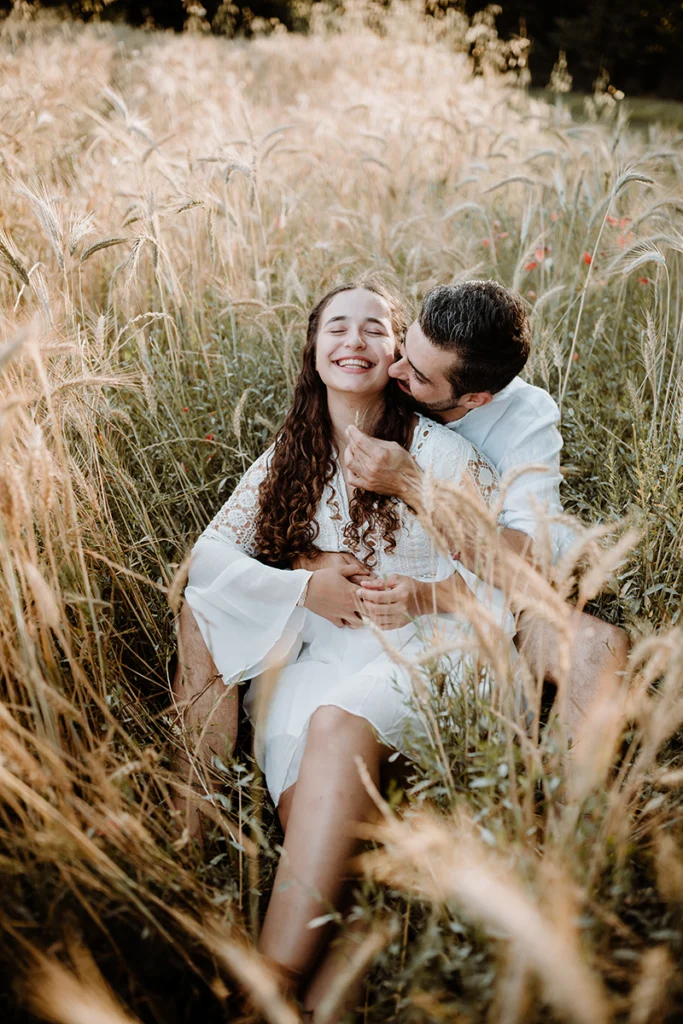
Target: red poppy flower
<point>644,280</point>
<point>612,221</point>
<point>504,234</point>
<point>553,215</point>
<point>185,409</point>
<point>485,242</point>
<point>540,255</point>
<point>575,357</point>
<point>587,259</point>
<point>531,265</point>
<point>624,221</point>
<point>210,437</point>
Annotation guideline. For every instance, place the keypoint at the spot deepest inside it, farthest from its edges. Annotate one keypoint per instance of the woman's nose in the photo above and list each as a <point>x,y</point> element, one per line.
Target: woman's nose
<point>355,338</point>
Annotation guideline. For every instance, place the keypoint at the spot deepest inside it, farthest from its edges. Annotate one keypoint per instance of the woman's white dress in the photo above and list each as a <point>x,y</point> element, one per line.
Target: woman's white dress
<point>248,615</point>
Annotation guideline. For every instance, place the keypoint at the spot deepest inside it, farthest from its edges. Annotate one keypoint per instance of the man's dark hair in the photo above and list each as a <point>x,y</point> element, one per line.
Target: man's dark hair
<point>485,326</point>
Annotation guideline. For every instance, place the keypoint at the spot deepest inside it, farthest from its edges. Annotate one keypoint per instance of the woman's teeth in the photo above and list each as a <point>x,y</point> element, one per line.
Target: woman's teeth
<point>362,364</point>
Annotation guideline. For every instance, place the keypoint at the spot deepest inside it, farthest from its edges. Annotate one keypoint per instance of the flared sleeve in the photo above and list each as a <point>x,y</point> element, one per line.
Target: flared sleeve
<point>246,612</point>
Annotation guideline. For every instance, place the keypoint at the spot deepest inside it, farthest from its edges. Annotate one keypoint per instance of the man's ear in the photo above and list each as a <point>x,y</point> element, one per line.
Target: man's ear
<point>475,400</point>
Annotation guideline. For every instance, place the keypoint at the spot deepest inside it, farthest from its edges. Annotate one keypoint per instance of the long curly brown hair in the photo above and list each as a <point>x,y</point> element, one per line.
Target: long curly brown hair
<point>303,462</point>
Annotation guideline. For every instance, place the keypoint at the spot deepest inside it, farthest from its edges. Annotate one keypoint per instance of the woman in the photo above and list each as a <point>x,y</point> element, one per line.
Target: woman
<point>339,693</point>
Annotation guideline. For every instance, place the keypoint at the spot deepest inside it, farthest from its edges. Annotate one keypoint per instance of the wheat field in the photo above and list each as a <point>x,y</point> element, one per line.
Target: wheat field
<point>172,207</point>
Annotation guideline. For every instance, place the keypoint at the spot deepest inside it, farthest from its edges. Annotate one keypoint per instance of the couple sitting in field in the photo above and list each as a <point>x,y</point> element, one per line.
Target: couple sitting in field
<point>321,537</point>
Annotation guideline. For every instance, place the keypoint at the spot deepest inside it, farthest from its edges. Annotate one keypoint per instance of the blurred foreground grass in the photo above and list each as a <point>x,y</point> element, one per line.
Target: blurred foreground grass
<point>172,208</point>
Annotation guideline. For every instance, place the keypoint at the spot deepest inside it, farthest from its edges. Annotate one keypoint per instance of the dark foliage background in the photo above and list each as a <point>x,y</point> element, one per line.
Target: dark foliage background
<point>639,42</point>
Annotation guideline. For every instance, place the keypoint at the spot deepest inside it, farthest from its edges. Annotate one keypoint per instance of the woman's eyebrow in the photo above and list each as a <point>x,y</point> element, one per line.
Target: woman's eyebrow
<point>368,320</point>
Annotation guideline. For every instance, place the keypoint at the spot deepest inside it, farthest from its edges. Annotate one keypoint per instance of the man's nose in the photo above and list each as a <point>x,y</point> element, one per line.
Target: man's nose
<point>399,369</point>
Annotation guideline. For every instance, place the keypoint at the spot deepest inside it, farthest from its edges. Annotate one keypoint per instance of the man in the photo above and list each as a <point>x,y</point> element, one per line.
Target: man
<point>460,362</point>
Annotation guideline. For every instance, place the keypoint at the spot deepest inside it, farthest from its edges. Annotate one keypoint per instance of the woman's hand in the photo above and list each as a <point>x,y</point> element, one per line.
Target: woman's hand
<point>332,595</point>
<point>391,602</point>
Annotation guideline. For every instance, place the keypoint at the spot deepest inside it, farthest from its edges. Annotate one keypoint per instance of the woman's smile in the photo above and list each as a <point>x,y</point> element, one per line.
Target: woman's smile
<point>354,364</point>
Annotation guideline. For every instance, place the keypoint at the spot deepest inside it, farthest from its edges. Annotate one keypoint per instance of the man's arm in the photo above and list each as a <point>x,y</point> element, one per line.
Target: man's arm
<point>386,468</point>
<point>383,467</point>
<point>332,560</point>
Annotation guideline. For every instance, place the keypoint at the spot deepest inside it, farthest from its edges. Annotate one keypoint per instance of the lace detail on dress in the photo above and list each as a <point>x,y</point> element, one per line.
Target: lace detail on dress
<point>448,456</point>
<point>484,476</point>
<point>237,518</point>
<point>422,432</point>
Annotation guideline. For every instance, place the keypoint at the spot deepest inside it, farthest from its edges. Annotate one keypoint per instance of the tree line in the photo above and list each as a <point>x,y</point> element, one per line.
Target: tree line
<point>639,43</point>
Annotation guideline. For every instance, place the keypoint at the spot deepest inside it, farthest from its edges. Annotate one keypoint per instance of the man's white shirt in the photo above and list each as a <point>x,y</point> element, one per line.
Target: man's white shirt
<point>518,428</point>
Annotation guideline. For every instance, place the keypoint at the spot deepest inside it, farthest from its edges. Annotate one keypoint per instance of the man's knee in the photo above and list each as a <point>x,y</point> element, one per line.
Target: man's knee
<point>607,641</point>
<point>192,650</point>
<point>188,630</point>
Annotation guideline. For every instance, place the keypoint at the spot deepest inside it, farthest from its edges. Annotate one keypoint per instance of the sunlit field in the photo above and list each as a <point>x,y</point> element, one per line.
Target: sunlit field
<point>172,207</point>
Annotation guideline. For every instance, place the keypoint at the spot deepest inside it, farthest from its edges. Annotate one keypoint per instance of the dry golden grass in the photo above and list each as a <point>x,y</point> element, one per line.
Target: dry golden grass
<point>172,206</point>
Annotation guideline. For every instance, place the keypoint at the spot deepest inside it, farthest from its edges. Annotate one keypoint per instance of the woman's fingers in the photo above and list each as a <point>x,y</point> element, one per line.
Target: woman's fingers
<point>373,583</point>
<point>382,614</point>
<point>380,597</point>
<point>391,624</point>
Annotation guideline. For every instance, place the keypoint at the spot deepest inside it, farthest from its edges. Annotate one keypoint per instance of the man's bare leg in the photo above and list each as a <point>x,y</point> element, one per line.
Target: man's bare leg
<point>598,658</point>
<point>207,714</point>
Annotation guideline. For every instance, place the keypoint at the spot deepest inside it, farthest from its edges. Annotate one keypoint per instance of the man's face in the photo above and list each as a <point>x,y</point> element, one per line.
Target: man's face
<point>421,371</point>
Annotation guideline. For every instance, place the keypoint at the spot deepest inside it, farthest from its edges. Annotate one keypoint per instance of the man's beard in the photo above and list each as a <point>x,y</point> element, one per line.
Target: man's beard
<point>437,406</point>
<point>434,407</point>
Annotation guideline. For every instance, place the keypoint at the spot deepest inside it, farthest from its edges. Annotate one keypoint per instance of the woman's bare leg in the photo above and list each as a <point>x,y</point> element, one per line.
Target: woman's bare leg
<point>329,796</point>
<point>207,712</point>
<point>337,961</point>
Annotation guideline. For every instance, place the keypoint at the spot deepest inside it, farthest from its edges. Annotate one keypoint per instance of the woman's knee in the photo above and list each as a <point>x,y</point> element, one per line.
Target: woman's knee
<point>332,727</point>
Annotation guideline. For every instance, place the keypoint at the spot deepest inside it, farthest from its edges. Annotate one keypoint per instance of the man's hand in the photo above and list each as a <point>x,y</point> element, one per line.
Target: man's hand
<point>332,595</point>
<point>381,466</point>
<point>331,560</point>
<point>391,602</point>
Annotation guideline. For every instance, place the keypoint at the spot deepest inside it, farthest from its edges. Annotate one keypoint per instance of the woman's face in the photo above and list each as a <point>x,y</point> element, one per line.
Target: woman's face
<point>355,344</point>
